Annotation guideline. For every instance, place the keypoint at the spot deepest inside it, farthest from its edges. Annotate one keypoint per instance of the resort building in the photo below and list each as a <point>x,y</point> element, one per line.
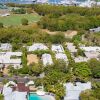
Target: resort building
<point>37,46</point>
<point>71,47</point>
<point>13,91</point>
<point>62,57</point>
<point>10,58</point>
<point>69,2</point>
<point>91,55</point>
<point>94,30</point>
<point>73,91</point>
<point>88,3</point>
<point>42,1</point>
<point>57,48</point>
<point>80,59</point>
<point>5,47</point>
<point>9,94</point>
<point>91,49</point>
<point>91,52</point>
<point>47,59</point>
<point>28,91</point>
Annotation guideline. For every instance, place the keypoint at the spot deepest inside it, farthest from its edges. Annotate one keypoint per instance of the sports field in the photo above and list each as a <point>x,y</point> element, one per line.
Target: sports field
<point>15,19</point>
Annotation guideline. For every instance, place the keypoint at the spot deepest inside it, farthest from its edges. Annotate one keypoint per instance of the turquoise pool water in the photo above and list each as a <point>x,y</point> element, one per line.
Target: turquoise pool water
<point>32,96</point>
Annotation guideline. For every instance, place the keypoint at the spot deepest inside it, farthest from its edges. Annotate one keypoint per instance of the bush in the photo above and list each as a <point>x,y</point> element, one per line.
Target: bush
<point>24,21</point>
<point>1,25</point>
<point>57,38</point>
<point>94,65</point>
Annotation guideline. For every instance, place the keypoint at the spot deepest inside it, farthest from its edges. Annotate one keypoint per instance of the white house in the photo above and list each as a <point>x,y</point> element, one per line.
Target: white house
<point>73,91</point>
<point>91,49</point>
<point>5,47</point>
<point>11,58</point>
<point>71,47</point>
<point>19,95</point>
<point>37,46</point>
<point>87,3</point>
<point>94,30</point>
<point>47,59</point>
<point>90,52</point>
<point>42,1</point>
<point>57,48</point>
<point>91,55</point>
<point>62,57</point>
<point>9,94</point>
<point>80,59</point>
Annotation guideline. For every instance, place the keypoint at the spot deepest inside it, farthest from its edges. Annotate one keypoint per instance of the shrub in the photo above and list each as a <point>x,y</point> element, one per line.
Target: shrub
<point>24,21</point>
<point>1,25</point>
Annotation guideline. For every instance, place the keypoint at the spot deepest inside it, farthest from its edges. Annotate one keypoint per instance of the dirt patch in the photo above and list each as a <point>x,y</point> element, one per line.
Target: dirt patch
<point>31,58</point>
<point>68,34</point>
<point>49,32</point>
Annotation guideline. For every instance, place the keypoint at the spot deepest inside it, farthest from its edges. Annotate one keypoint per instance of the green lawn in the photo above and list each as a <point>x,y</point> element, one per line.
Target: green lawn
<point>15,19</point>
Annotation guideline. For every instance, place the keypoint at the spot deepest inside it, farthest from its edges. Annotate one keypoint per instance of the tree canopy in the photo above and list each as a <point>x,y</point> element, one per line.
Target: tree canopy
<point>82,71</point>
<point>95,67</point>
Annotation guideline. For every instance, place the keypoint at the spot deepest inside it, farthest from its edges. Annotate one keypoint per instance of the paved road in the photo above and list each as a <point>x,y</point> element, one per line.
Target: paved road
<point>19,79</point>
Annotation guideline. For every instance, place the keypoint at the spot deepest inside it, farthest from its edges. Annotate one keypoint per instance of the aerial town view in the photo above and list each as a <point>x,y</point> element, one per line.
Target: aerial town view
<point>49,49</point>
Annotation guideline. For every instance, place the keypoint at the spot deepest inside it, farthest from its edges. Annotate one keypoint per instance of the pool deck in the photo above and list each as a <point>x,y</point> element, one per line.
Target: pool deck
<point>47,97</point>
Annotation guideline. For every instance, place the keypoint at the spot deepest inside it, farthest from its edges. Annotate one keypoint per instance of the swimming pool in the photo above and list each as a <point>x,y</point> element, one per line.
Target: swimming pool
<point>33,96</point>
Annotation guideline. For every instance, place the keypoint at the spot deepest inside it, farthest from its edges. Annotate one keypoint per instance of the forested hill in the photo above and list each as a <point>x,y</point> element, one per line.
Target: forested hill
<point>63,10</point>
<point>62,18</point>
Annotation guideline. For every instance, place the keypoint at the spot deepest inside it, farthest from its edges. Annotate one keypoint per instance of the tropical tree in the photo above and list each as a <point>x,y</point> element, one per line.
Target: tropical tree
<point>95,67</point>
<point>54,77</point>
<point>82,71</point>
<point>58,90</point>
<point>37,69</point>
<point>58,38</point>
<point>87,95</point>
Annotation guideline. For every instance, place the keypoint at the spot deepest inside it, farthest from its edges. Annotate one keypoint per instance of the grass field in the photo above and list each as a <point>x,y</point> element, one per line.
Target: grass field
<point>15,19</point>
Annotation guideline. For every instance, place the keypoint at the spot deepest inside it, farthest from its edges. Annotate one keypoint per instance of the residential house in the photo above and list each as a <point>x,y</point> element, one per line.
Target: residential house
<point>5,47</point>
<point>37,46</point>
<point>91,49</point>
<point>62,57</point>
<point>11,58</point>
<point>57,48</point>
<point>71,47</point>
<point>94,30</point>
<point>47,59</point>
<point>73,91</point>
